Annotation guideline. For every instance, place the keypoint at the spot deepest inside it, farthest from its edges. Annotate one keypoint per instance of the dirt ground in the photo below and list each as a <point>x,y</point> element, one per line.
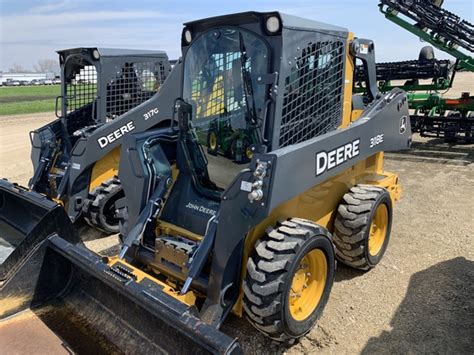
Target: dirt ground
<point>419,299</point>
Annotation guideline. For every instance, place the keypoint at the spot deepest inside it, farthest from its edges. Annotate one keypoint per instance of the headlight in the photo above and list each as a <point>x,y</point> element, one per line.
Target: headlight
<point>95,54</point>
<point>273,24</point>
<point>188,36</point>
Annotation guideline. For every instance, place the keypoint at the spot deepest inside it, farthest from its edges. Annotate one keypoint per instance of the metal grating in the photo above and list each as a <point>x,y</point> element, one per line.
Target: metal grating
<point>210,96</point>
<point>133,84</point>
<point>81,87</point>
<point>312,102</point>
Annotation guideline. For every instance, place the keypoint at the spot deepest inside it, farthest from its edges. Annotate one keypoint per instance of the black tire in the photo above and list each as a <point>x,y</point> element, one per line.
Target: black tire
<point>99,208</point>
<point>270,272</point>
<point>353,222</point>
<point>426,53</point>
<point>451,129</point>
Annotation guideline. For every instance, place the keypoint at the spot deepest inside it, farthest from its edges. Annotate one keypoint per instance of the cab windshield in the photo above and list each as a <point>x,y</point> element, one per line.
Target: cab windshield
<point>221,68</point>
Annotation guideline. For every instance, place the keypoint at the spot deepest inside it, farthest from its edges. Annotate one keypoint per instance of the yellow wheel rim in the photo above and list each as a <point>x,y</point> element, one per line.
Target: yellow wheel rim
<point>308,283</point>
<point>249,152</point>
<point>213,141</point>
<point>378,229</point>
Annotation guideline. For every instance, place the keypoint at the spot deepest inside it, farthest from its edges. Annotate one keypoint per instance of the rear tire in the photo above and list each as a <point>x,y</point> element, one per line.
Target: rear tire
<point>212,143</point>
<point>426,53</point>
<point>289,279</point>
<point>99,208</point>
<point>362,226</point>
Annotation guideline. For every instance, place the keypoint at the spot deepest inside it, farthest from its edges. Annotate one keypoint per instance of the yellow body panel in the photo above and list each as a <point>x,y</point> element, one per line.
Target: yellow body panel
<point>189,298</point>
<point>105,169</point>
<point>348,83</point>
<point>356,114</point>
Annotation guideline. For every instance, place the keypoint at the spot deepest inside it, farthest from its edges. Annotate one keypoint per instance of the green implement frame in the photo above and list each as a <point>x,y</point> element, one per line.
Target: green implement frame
<point>433,115</point>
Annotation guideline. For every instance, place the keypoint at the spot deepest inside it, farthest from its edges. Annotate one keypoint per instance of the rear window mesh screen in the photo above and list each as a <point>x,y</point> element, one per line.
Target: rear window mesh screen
<point>134,83</point>
<point>312,102</point>
<point>81,87</point>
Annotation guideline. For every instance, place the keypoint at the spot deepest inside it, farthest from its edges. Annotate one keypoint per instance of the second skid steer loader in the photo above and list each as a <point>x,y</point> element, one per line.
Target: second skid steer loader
<point>105,94</point>
<point>204,235</point>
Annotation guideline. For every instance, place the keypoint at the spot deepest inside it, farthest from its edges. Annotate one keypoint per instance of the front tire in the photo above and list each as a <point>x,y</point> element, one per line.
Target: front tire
<point>289,279</point>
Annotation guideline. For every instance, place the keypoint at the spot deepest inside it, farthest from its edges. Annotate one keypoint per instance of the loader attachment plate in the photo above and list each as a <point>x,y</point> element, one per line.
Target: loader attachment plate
<point>94,307</point>
<point>26,219</point>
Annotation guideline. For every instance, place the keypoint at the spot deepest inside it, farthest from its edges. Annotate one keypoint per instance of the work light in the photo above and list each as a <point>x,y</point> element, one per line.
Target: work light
<point>273,24</point>
<point>188,37</point>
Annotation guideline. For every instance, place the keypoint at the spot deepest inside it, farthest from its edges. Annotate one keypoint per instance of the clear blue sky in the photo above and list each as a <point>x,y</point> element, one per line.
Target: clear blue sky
<point>32,30</point>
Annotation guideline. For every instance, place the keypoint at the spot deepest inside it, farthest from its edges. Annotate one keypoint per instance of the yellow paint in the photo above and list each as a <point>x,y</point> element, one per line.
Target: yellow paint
<point>211,104</point>
<point>356,114</point>
<point>308,284</point>
<point>213,141</point>
<point>348,83</point>
<point>58,201</point>
<point>105,169</point>
<point>378,229</point>
<point>189,298</point>
<point>171,229</point>
<point>10,303</point>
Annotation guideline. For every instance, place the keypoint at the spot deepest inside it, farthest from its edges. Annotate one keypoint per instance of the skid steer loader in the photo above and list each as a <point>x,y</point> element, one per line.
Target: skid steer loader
<point>75,158</point>
<point>204,235</point>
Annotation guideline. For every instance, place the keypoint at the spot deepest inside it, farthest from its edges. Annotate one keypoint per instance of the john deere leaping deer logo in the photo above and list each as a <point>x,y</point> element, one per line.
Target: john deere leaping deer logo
<point>403,124</point>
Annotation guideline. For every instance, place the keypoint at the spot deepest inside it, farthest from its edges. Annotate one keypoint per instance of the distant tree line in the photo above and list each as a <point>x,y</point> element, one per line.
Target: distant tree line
<point>43,66</point>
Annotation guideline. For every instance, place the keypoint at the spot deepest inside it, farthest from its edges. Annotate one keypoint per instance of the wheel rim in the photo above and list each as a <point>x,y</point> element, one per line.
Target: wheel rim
<point>249,152</point>
<point>213,141</point>
<point>308,285</point>
<point>378,229</point>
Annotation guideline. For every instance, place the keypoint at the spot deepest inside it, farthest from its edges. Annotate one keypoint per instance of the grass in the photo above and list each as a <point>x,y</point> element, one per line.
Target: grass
<point>28,99</point>
<point>40,90</point>
<point>16,108</point>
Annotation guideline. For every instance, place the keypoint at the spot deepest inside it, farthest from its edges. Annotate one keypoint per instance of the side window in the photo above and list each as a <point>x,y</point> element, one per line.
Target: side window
<point>217,89</point>
<point>81,85</point>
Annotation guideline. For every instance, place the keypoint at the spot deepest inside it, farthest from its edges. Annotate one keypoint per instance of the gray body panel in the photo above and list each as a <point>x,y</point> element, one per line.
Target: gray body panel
<point>299,159</point>
<point>87,151</point>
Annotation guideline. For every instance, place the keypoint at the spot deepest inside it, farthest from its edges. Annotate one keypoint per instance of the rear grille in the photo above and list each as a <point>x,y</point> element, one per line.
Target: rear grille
<point>312,102</point>
<point>134,83</point>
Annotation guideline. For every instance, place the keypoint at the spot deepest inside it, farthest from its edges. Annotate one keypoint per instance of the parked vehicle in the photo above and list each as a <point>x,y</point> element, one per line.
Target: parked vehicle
<point>12,83</point>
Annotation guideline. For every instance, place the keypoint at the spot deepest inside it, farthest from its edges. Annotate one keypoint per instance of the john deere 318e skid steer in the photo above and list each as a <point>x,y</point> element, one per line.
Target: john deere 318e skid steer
<point>205,233</point>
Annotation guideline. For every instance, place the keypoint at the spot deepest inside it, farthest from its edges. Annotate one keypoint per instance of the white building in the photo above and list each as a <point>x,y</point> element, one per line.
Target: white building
<point>24,76</point>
